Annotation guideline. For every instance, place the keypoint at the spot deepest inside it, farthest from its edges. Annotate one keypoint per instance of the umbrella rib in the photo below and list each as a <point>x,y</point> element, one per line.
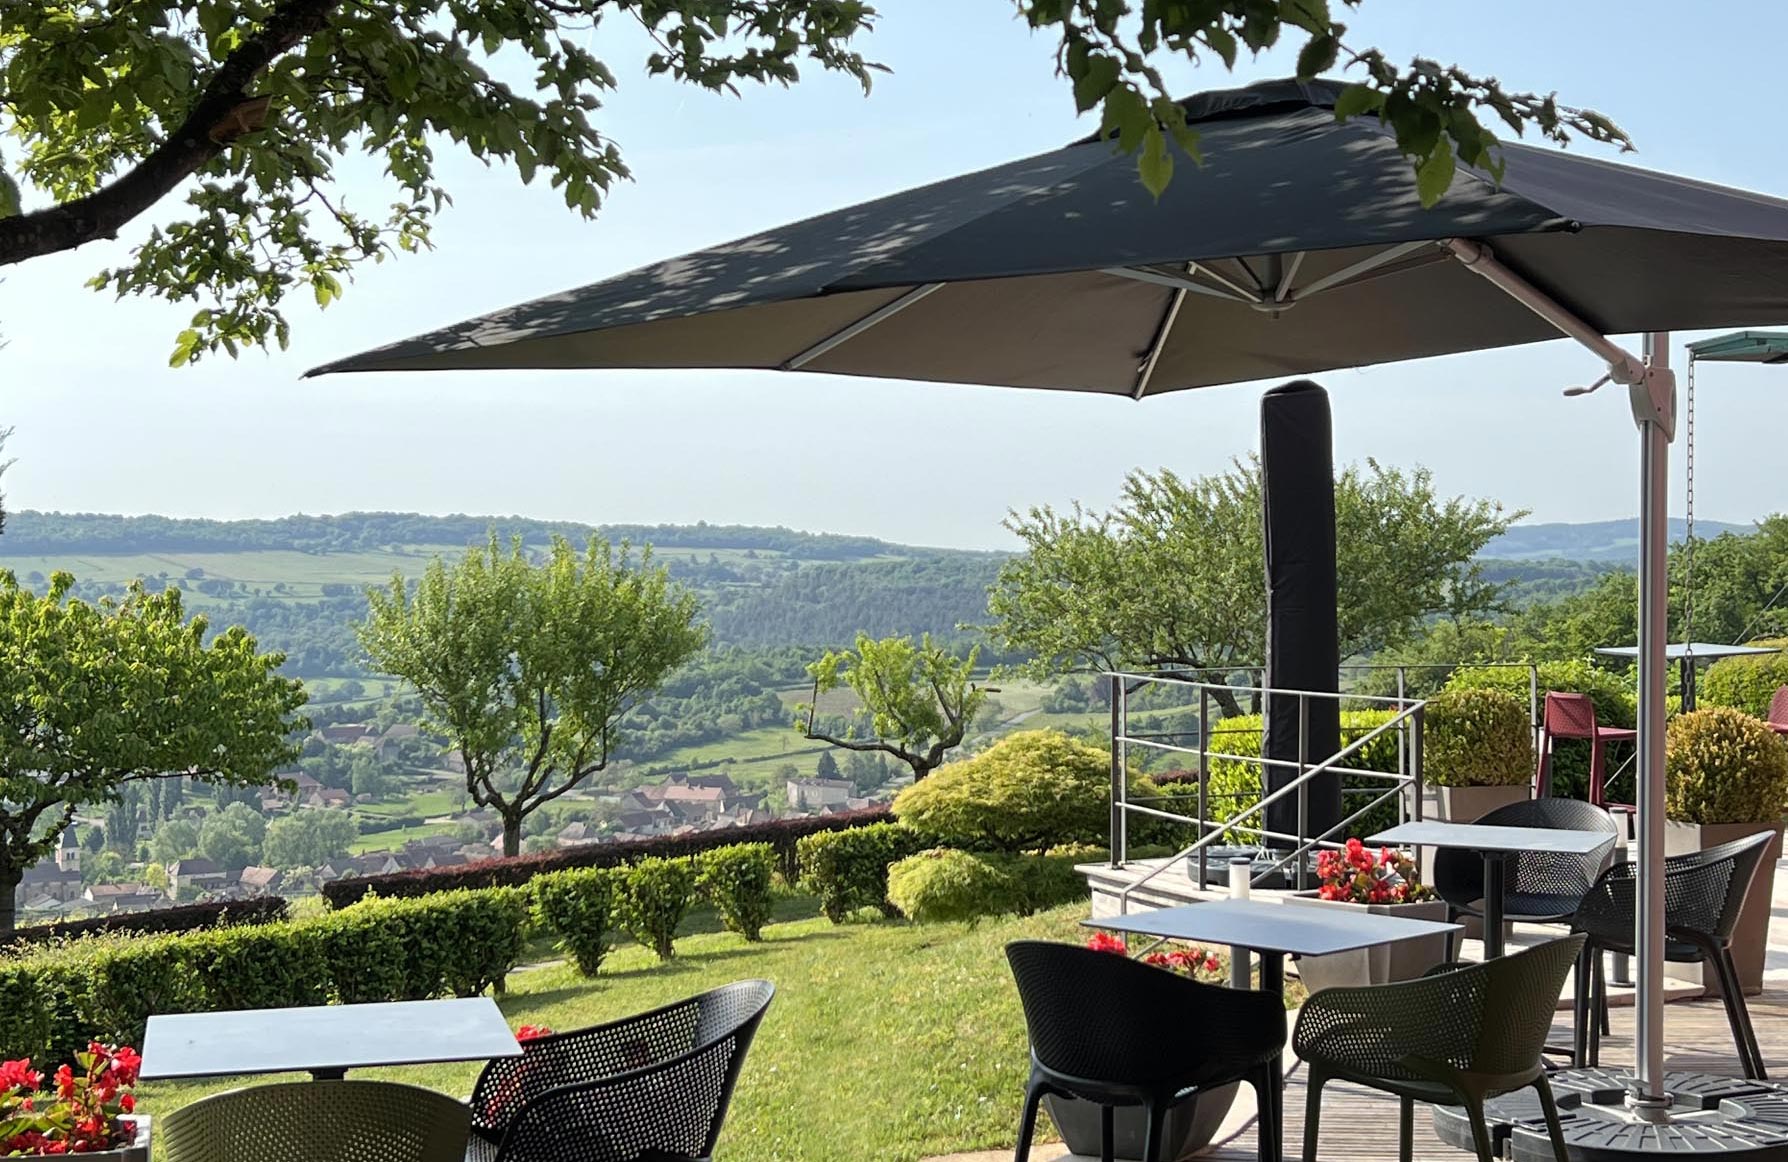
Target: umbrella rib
<point>1160,343</point>
<point>1290,276</point>
<point>880,315</point>
<point>1176,281</point>
<point>1353,270</point>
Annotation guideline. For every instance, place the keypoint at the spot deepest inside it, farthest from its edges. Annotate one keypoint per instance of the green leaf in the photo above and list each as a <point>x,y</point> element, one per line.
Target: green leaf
<point>1317,57</point>
<point>1156,164</point>
<point>186,344</point>
<point>1099,78</point>
<point>9,197</point>
<point>1435,174</point>
<point>1356,100</point>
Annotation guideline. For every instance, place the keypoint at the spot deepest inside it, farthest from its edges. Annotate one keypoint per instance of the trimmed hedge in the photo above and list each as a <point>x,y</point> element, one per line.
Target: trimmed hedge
<point>1477,737</point>
<point>781,834</point>
<point>578,906</point>
<point>378,824</point>
<point>185,918</point>
<point>1235,785</point>
<point>944,884</point>
<point>54,998</point>
<point>1746,683</point>
<point>1722,765</point>
<point>739,881</point>
<point>1612,693</point>
<point>848,870</point>
<point>652,897</point>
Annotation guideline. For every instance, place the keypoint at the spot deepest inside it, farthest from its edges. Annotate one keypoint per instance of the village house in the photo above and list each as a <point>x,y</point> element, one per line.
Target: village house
<point>259,881</point>
<point>123,897</point>
<point>818,794</point>
<point>195,874</point>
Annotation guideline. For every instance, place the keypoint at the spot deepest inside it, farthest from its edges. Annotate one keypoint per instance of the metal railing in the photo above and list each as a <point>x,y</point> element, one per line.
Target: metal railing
<point>1404,784</point>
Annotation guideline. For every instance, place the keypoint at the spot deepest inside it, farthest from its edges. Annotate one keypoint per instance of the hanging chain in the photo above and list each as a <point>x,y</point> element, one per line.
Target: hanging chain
<point>1688,617</point>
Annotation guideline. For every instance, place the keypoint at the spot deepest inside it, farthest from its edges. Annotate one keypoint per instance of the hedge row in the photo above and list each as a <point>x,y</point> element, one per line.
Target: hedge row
<point>377,824</point>
<point>55,998</point>
<point>781,834</point>
<point>184,918</point>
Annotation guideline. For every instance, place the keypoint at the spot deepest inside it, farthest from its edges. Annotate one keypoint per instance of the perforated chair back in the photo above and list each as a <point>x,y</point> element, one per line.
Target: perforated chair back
<point>647,1087</point>
<point>1569,715</point>
<point>316,1121</point>
<point>1735,863</point>
<point>1459,875</point>
<point>1778,708</point>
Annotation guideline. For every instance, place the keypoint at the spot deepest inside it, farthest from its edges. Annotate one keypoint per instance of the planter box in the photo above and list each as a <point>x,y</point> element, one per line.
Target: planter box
<point>1382,965</point>
<point>1190,1125</point>
<point>1751,937</point>
<point>137,1151</point>
<point>1468,804</point>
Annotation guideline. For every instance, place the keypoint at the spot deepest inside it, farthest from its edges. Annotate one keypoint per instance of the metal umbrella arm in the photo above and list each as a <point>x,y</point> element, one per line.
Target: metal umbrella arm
<point>1651,389</point>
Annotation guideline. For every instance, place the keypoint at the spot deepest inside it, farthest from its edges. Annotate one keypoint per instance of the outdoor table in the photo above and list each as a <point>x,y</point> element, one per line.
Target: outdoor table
<point>1497,845</point>
<point>325,1040</point>
<point>1687,655</point>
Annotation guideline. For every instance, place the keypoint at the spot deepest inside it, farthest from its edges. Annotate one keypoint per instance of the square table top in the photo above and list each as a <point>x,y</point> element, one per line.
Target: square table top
<point>1677,651</point>
<point>1271,927</point>
<point>325,1037</point>
<point>1476,837</point>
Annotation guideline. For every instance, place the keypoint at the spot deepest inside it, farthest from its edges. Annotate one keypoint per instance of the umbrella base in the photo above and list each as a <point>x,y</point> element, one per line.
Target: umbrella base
<point>1727,1117</point>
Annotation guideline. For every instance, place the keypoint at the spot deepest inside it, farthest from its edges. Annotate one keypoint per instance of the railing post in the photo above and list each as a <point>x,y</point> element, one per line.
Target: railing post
<point>1403,736</point>
<point>1303,789</point>
<point>1204,774</point>
<point>1119,829</point>
<point>1533,706</point>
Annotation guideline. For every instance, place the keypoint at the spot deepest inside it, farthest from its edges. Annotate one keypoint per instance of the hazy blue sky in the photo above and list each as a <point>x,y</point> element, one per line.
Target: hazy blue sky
<point>103,424</point>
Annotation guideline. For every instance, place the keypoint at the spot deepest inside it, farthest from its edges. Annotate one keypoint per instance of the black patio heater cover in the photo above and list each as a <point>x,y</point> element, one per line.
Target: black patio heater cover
<point>1297,485</point>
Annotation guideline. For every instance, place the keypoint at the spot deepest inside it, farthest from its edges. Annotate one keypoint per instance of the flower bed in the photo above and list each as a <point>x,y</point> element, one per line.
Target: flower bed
<point>87,1112</point>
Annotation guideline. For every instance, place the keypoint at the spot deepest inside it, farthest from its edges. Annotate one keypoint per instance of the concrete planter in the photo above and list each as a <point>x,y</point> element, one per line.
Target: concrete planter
<point>1751,937</point>
<point>1190,1125</point>
<point>1382,965</point>
<point>137,1151</point>
<point>1467,804</point>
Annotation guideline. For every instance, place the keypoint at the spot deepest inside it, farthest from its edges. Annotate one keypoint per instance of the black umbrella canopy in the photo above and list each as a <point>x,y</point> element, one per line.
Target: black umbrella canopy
<point>1299,246</point>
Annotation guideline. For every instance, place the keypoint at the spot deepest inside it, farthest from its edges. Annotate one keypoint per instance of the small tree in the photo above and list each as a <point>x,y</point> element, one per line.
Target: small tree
<point>916,700</point>
<point>232,838</point>
<point>96,697</point>
<point>174,840</point>
<point>529,670</point>
<point>827,767</point>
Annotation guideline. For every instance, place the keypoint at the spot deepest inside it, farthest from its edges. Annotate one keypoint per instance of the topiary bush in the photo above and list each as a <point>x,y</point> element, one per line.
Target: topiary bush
<point>1613,694</point>
<point>848,870</point>
<point>266,967</point>
<point>1476,737</point>
<point>578,907</point>
<point>1746,683</point>
<point>740,882</point>
<point>1029,792</point>
<point>944,884</point>
<point>652,898</point>
<point>1724,766</point>
<point>1235,784</point>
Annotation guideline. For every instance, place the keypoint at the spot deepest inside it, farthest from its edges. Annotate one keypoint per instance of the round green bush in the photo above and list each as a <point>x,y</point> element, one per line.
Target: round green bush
<point>1746,683</point>
<point>1476,737</point>
<point>1031,791</point>
<point>945,884</point>
<point>1613,694</point>
<point>1724,766</point>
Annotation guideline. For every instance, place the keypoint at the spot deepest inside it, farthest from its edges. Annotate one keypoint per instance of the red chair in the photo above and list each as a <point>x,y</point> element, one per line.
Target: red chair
<point>1778,711</point>
<point>1574,716</point>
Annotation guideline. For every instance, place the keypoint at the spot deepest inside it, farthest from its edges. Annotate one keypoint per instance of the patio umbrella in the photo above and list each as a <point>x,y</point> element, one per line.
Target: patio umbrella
<point>1300,245</point>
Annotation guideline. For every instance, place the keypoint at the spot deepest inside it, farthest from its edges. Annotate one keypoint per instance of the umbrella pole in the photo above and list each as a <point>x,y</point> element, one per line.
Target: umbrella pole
<point>1651,388</point>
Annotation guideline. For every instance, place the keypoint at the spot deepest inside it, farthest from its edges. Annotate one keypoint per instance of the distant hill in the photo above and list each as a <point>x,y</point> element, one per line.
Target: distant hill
<point>1604,540</point>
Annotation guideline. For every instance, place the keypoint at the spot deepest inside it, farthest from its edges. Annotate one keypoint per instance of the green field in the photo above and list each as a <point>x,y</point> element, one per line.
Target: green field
<point>393,840</point>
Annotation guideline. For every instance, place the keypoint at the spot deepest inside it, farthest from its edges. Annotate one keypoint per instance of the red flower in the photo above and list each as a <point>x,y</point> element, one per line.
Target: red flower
<point>530,1032</point>
<point>65,1083</point>
<point>1106,942</point>
<point>128,1103</point>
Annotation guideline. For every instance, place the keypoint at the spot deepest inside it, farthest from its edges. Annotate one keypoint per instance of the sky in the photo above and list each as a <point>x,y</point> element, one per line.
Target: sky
<point>102,424</point>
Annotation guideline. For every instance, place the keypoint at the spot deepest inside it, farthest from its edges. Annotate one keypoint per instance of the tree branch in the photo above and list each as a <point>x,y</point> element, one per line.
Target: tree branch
<point>207,130</point>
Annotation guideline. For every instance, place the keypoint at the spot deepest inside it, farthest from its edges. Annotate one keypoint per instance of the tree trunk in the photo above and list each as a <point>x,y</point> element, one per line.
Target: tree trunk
<point>512,836</point>
<point>1225,699</point>
<point>9,897</point>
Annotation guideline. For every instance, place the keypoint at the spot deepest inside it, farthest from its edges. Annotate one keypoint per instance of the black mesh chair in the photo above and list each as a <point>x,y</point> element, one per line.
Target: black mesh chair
<point>647,1088</point>
<point>1459,1036</point>
<point>1543,887</point>
<point>1704,892</point>
<point>1114,1031</point>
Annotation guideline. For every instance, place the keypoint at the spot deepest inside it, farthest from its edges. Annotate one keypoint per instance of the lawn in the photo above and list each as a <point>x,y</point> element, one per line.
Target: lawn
<point>887,1042</point>
<point>393,840</point>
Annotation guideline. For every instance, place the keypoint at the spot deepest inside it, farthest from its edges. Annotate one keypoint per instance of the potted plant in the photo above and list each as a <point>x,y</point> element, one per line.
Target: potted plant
<point>89,1110</point>
<point>1382,882</point>
<point>1477,751</point>
<point>1726,778</point>
<point>1191,1125</point>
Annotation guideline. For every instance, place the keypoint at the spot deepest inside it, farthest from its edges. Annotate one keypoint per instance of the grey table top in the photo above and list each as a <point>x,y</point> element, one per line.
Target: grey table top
<point>325,1037</point>
<point>1676,651</point>
<point>1268,927</point>
<point>1474,837</point>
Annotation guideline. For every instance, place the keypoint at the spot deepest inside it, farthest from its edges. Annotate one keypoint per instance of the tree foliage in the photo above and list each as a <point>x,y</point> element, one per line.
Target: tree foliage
<point>308,838</point>
<point>530,669</point>
<point>1173,576</point>
<point>251,108</point>
<point>916,701</point>
<point>1030,791</point>
<point>96,697</point>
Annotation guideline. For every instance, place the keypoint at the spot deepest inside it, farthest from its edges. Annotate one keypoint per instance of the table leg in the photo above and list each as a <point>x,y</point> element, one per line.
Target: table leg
<point>1272,980</point>
<point>328,1074</point>
<point>1241,970</point>
<point>1496,865</point>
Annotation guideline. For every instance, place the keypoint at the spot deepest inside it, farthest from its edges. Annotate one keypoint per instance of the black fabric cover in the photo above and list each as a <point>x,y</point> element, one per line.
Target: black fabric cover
<point>1297,484</point>
<point>1025,250</point>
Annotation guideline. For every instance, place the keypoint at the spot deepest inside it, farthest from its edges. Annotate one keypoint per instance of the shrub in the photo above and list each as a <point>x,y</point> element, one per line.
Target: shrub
<point>364,954</point>
<point>27,1018</point>
<point>653,897</point>
<point>945,884</point>
<point>1724,766</point>
<point>1477,737</point>
<point>107,987</point>
<point>578,907</point>
<point>1041,882</point>
<point>1746,683</point>
<point>1030,791</point>
<point>848,870</point>
<point>781,834</point>
<point>1235,785</point>
<point>1612,693</point>
<point>266,967</point>
<point>184,918</point>
<point>738,881</point>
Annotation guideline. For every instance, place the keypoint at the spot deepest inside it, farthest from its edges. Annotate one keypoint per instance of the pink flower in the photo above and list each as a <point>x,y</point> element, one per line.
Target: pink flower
<point>1106,942</point>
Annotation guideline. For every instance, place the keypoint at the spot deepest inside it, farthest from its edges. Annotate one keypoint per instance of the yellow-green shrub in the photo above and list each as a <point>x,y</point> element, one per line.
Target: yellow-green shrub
<point>578,907</point>
<point>740,882</point>
<point>1746,683</point>
<point>1235,785</point>
<point>1030,791</point>
<point>1724,766</point>
<point>1476,737</point>
<point>848,870</point>
<point>945,884</point>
